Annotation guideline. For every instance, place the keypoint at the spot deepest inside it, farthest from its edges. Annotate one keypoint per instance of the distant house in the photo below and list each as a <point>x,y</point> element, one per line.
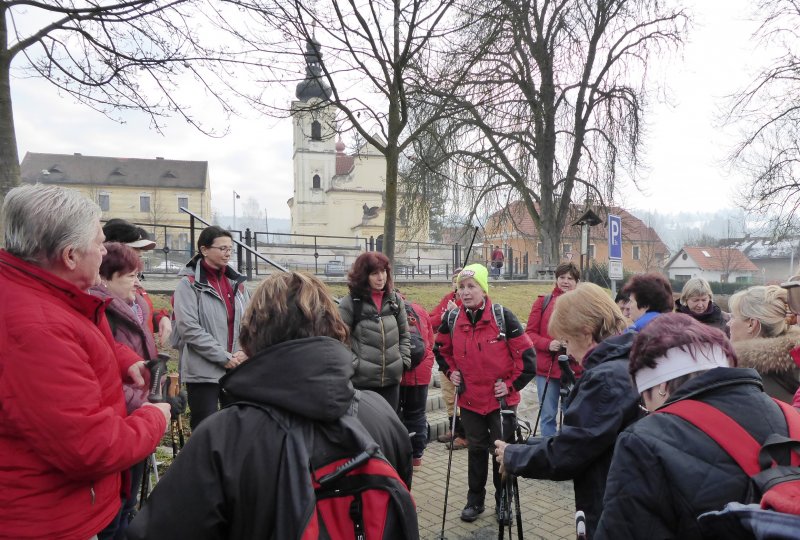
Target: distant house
<point>726,265</point>
<point>777,260</point>
<point>642,248</point>
<point>148,191</point>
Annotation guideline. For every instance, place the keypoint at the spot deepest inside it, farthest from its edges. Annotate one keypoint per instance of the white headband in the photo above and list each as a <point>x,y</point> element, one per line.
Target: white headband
<point>678,362</point>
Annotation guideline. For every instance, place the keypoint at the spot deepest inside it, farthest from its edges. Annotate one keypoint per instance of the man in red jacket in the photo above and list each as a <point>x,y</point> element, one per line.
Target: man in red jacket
<point>64,433</point>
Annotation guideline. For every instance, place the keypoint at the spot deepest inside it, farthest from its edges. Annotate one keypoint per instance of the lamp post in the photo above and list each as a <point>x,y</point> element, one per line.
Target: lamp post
<point>235,196</point>
<point>587,220</point>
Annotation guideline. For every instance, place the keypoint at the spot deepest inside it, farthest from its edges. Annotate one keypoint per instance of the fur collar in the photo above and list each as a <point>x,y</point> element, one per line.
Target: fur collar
<point>768,355</point>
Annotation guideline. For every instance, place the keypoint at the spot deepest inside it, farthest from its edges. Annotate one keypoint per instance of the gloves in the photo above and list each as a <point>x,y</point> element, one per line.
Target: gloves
<point>177,404</point>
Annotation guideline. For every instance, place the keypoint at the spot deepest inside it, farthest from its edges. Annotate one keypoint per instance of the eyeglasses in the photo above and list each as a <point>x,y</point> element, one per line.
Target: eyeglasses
<point>223,249</point>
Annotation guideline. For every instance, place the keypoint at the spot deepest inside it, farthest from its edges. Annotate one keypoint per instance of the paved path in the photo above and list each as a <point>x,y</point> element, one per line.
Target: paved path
<point>547,507</point>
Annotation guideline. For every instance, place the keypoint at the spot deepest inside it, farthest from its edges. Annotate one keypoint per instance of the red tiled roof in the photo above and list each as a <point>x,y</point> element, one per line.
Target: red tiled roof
<point>344,163</point>
<point>633,228</point>
<point>720,259</point>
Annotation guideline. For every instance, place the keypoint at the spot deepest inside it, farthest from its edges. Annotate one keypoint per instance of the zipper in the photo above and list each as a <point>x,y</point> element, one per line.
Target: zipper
<point>91,491</point>
<point>383,351</point>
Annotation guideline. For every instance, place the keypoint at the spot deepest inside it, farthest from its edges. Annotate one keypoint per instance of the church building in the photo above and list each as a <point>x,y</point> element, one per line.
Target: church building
<point>335,193</point>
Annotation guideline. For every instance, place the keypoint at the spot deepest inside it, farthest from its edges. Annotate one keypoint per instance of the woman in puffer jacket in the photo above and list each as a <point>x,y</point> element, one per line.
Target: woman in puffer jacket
<point>764,340</point>
<point>378,325</point>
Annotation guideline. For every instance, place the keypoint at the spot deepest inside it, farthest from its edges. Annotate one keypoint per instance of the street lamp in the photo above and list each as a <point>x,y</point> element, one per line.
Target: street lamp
<point>235,196</point>
<point>587,220</point>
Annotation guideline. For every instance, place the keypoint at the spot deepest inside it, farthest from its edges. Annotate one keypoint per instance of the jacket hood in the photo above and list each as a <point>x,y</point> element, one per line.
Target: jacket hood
<point>309,377</point>
<point>613,348</point>
<point>768,355</point>
<point>196,270</point>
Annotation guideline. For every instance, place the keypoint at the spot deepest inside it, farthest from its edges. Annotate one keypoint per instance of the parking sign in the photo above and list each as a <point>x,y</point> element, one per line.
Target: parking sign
<point>614,237</point>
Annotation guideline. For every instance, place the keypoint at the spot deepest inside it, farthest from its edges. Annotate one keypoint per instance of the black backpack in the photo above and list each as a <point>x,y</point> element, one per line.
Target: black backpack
<point>417,343</point>
<point>773,511</point>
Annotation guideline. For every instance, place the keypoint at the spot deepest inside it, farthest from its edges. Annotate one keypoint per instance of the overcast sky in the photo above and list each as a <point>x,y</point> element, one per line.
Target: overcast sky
<point>685,147</point>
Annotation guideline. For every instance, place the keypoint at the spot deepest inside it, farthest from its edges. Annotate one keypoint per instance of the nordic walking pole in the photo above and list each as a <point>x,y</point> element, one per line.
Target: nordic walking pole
<point>450,459</point>
<point>544,393</point>
<point>505,503</point>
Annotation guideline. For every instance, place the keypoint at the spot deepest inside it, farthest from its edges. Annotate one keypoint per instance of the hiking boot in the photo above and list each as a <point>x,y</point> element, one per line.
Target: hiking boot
<point>471,512</point>
<point>459,443</point>
<point>444,437</point>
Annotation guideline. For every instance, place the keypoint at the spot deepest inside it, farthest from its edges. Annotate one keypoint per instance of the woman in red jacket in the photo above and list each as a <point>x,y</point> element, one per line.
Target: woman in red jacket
<point>548,374</point>
<point>415,381</point>
<point>488,369</point>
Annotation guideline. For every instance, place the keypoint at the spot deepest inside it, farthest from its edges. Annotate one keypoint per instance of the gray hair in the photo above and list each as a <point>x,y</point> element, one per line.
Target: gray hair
<point>42,220</point>
<point>696,287</point>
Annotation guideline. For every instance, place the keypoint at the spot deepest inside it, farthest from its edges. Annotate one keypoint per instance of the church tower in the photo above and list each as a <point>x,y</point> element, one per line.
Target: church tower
<point>314,150</point>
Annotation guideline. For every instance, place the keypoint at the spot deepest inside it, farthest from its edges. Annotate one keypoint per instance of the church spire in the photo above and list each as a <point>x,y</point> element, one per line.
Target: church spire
<point>314,85</point>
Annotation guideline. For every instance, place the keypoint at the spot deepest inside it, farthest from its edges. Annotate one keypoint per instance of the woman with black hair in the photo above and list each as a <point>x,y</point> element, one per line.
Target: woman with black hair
<point>209,301</point>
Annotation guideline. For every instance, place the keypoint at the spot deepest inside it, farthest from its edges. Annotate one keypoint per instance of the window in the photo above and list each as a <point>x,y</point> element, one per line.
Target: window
<point>316,131</point>
<point>539,250</point>
<point>682,277</point>
<point>183,202</point>
<point>567,249</point>
<point>636,254</point>
<point>144,203</point>
<point>104,201</point>
<point>591,251</point>
<point>315,182</point>
<point>742,279</point>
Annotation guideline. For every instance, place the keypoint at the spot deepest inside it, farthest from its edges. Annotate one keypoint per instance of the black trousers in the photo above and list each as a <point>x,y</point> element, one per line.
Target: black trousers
<point>390,393</point>
<point>203,400</point>
<point>482,431</point>
<point>413,400</point>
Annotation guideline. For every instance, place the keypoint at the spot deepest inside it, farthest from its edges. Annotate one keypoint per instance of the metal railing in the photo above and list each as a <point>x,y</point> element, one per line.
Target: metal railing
<point>258,253</point>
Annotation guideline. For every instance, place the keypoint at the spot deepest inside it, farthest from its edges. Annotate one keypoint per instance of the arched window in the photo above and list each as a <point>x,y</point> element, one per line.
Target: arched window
<point>315,182</point>
<point>402,213</point>
<point>316,131</point>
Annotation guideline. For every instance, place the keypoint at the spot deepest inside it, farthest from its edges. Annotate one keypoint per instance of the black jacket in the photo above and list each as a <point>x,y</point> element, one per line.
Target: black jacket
<point>713,316</point>
<point>666,472</point>
<point>602,404</point>
<point>235,479</point>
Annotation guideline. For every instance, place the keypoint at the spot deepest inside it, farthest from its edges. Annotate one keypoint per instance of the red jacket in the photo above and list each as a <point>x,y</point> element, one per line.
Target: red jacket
<point>437,312</point>
<point>537,331</point>
<point>64,433</point>
<point>482,358</point>
<point>421,375</point>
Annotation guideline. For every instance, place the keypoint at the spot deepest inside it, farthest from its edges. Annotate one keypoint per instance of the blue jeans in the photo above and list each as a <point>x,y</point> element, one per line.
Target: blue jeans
<point>412,413</point>
<point>548,405</point>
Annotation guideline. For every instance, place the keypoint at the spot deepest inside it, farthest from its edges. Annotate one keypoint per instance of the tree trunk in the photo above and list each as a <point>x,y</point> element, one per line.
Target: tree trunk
<point>390,223</point>
<point>9,158</point>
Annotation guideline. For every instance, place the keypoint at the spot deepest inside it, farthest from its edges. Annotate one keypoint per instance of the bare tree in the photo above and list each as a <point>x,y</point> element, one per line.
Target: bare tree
<point>554,101</point>
<point>112,56</point>
<point>768,113</point>
<point>380,58</point>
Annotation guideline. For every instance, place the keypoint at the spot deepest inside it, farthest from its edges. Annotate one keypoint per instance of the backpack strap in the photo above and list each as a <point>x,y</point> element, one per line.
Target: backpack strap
<point>358,307</point>
<point>722,429</point>
<point>548,297</point>
<point>500,320</point>
<point>452,315</point>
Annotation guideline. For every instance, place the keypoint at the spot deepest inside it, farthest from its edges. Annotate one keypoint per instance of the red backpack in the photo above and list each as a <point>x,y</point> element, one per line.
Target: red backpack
<point>360,498</point>
<point>773,468</point>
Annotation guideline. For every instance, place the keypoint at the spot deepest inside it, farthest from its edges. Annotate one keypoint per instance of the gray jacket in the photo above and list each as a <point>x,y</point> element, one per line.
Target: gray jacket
<point>381,344</point>
<point>201,324</point>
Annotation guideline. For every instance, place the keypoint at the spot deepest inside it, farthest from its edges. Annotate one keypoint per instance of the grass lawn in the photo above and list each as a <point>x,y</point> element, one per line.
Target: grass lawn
<point>518,297</point>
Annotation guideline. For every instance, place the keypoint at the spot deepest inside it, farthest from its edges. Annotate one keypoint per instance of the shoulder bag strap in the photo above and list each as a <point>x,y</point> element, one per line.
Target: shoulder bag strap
<point>728,434</point>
